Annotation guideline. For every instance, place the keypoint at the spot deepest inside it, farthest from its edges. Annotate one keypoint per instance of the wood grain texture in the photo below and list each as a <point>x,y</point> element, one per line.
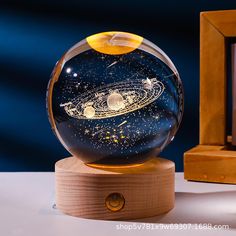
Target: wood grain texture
<point>210,164</point>
<point>148,189</point>
<point>233,72</point>
<point>224,21</point>
<point>212,84</point>
<point>211,161</point>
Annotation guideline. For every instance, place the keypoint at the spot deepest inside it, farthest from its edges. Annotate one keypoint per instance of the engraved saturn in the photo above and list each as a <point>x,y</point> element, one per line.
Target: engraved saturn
<point>114,99</point>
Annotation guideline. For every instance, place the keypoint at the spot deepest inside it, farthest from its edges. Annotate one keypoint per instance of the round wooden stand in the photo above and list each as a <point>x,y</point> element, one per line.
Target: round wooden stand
<point>111,193</point>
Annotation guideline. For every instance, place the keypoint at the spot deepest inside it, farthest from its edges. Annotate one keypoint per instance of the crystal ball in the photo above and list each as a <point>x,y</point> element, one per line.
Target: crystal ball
<point>115,98</point>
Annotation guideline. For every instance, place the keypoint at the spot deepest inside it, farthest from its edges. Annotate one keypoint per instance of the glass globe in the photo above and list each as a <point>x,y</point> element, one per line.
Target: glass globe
<point>115,98</point>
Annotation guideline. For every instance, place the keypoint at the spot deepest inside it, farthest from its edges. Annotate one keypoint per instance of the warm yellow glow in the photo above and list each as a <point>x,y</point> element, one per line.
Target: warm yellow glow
<point>114,42</point>
<point>117,167</point>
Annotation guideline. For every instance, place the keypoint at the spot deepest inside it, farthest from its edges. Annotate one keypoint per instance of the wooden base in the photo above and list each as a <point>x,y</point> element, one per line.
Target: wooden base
<point>210,164</point>
<point>131,192</point>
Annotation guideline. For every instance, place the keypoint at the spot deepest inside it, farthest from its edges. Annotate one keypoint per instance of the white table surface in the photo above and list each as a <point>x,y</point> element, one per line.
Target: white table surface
<point>26,208</point>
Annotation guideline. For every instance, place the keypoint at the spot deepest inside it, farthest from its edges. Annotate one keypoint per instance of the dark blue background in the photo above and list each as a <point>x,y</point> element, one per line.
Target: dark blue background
<point>33,36</point>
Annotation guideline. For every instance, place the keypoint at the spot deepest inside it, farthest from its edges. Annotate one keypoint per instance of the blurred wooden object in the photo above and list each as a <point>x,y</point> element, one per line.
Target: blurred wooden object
<point>131,192</point>
<point>233,64</point>
<point>210,163</point>
<point>212,160</point>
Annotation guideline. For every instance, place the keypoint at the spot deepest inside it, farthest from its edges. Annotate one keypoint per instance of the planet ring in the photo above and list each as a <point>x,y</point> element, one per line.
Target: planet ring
<point>114,99</point>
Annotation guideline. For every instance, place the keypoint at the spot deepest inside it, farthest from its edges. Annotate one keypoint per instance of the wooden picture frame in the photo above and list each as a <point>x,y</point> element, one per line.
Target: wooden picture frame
<point>212,160</point>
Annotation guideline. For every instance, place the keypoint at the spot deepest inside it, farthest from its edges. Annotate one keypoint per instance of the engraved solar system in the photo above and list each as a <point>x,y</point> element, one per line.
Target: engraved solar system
<point>115,100</point>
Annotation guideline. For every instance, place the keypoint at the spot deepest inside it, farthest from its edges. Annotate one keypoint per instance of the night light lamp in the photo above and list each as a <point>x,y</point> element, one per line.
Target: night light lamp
<point>115,101</point>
